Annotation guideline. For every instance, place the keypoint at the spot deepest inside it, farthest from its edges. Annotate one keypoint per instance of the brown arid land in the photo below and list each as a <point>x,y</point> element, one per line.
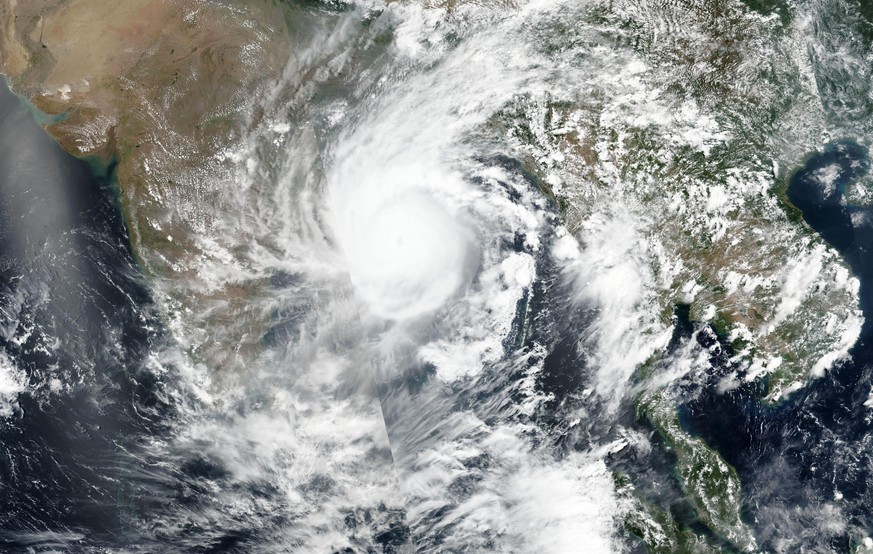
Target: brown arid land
<point>152,89</point>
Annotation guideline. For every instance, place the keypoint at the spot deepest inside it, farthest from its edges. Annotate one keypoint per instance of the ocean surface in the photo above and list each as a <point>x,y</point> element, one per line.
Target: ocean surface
<point>796,456</point>
<point>446,365</point>
<point>77,326</point>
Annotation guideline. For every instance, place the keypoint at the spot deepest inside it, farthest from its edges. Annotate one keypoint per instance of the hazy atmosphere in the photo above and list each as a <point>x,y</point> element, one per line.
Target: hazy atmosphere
<point>542,276</point>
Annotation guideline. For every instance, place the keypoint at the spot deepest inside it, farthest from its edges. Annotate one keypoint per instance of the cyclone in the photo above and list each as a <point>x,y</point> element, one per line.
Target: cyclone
<point>536,276</point>
<point>407,254</point>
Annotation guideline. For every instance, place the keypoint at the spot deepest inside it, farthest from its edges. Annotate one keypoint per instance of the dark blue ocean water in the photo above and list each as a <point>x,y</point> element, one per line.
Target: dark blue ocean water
<point>806,462</point>
<point>76,317</point>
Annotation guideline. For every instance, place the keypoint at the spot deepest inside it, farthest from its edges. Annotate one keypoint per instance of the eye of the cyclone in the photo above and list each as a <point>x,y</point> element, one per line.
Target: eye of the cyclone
<point>406,253</point>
